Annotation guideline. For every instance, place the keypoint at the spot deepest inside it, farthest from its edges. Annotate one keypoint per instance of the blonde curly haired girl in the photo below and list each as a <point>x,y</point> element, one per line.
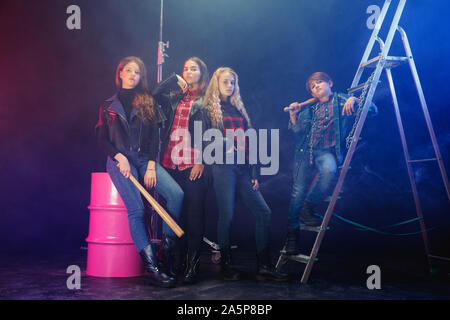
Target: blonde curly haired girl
<point>212,98</point>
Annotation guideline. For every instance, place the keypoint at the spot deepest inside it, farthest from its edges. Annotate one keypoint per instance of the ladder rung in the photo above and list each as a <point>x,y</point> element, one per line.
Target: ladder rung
<point>390,62</point>
<point>357,88</point>
<point>423,160</point>
<point>330,197</point>
<point>370,63</point>
<point>296,257</point>
<point>309,228</point>
<point>300,258</point>
<point>438,257</point>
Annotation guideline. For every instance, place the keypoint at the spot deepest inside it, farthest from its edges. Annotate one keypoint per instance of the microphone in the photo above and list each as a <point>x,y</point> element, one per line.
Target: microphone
<point>301,105</point>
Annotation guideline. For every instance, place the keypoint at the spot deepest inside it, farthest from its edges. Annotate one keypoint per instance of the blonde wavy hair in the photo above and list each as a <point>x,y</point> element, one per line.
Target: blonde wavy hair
<point>212,98</point>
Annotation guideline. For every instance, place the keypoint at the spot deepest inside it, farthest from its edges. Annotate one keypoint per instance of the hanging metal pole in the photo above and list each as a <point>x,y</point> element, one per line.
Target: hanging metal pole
<point>154,222</point>
<point>161,46</point>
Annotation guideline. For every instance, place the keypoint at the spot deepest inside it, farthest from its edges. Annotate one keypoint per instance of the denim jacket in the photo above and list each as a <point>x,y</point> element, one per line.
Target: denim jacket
<point>302,127</point>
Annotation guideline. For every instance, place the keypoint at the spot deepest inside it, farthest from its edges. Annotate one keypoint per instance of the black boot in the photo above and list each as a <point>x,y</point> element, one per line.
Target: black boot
<point>266,271</point>
<point>166,256</point>
<point>156,276</point>
<point>226,263</point>
<point>192,266</point>
<point>292,239</point>
<point>307,215</point>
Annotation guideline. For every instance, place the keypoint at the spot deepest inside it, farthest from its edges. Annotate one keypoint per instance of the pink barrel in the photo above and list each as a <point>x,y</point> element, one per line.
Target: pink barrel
<point>111,251</point>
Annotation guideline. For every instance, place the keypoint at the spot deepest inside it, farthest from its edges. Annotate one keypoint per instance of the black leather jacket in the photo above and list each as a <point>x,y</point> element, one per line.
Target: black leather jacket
<point>115,134</point>
<point>166,96</point>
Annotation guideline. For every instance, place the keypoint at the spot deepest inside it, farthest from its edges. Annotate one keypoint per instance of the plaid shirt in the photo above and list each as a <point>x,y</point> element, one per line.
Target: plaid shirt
<point>233,120</point>
<point>323,128</point>
<point>184,157</point>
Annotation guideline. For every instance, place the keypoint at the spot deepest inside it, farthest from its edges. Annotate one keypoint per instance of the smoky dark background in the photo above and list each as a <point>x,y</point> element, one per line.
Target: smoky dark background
<point>53,80</point>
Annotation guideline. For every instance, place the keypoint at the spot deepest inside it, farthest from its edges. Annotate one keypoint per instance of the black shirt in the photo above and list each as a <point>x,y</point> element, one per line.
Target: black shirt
<point>126,98</point>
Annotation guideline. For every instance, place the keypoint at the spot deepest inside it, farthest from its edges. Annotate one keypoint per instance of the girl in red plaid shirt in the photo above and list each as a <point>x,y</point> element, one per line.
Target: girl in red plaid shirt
<point>181,100</point>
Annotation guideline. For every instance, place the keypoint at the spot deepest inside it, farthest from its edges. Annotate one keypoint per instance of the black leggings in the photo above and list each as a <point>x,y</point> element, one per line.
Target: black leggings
<point>192,218</point>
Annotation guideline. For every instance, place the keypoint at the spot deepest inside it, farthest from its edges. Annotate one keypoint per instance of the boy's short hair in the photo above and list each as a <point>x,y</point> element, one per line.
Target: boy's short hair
<point>317,76</point>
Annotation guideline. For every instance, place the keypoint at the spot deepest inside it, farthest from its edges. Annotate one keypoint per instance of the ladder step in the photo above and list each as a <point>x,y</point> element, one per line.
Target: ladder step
<point>370,63</point>
<point>357,88</point>
<point>423,160</point>
<point>330,197</point>
<point>300,258</point>
<point>438,257</point>
<point>309,228</point>
<point>296,257</point>
<point>390,62</point>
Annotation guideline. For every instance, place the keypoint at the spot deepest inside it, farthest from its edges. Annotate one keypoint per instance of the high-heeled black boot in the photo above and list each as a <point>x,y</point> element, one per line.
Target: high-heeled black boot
<point>265,271</point>
<point>166,256</point>
<point>229,273</point>
<point>156,276</point>
<point>192,266</point>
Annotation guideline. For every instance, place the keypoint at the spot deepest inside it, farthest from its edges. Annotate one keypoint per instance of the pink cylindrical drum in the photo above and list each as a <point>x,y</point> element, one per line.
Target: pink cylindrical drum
<point>111,251</point>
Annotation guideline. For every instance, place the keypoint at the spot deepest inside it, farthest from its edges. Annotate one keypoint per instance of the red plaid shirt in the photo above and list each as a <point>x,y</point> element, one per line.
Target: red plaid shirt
<point>323,135</point>
<point>177,153</point>
<point>233,120</point>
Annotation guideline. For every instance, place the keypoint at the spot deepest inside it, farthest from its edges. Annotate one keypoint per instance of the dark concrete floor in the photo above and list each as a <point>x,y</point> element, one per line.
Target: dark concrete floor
<point>333,277</point>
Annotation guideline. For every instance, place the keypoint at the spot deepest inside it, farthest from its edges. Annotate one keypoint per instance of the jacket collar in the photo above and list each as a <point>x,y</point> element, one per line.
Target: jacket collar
<point>116,106</point>
<point>197,105</point>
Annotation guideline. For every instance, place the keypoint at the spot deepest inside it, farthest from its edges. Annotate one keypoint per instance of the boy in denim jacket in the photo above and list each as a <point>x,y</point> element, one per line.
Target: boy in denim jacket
<point>320,130</point>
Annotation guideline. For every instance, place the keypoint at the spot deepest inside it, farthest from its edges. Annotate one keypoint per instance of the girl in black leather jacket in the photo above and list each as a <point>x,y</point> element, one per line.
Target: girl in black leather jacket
<point>127,132</point>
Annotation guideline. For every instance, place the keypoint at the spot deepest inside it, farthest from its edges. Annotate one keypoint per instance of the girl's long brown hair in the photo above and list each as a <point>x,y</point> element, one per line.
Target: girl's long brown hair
<point>212,98</point>
<point>143,102</point>
<point>204,75</point>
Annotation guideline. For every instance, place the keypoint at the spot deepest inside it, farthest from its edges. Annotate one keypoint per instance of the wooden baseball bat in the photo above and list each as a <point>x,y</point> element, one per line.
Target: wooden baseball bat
<point>301,105</point>
<point>158,208</point>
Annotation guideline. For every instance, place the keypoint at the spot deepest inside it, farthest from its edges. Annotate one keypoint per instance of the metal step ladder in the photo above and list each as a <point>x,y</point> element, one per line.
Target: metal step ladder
<point>382,61</point>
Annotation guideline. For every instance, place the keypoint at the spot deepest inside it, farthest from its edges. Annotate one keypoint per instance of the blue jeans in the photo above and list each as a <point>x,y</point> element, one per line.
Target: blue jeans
<point>232,180</point>
<point>307,188</point>
<point>165,186</point>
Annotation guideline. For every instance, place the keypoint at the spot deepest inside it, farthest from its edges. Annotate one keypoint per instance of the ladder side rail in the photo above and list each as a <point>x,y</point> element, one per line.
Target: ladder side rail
<point>423,103</point>
<point>371,42</point>
<point>392,29</point>
<point>408,164</point>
